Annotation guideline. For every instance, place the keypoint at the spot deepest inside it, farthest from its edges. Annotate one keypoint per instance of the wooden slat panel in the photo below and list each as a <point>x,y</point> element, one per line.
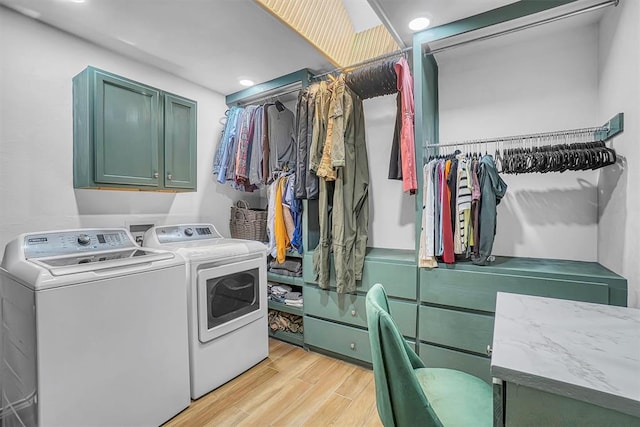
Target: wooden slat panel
<point>326,25</point>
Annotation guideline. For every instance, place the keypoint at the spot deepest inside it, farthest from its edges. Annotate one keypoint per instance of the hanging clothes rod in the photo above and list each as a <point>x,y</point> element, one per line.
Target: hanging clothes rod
<point>525,26</point>
<point>272,94</point>
<point>601,133</point>
<point>366,62</point>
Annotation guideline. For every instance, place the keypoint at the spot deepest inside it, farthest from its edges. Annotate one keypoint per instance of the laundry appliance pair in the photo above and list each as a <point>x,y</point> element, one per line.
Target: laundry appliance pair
<point>99,331</point>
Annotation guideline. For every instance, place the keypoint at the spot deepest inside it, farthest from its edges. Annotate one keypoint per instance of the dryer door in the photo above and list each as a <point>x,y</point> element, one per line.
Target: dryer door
<point>230,296</point>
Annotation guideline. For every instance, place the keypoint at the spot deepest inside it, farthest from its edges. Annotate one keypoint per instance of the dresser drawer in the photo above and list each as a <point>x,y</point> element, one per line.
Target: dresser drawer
<point>341,339</point>
<point>477,290</point>
<point>400,279</point>
<point>468,331</point>
<point>351,309</point>
<point>437,357</point>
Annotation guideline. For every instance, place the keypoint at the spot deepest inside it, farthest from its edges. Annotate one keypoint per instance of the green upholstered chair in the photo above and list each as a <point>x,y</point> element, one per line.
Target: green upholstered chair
<point>410,394</point>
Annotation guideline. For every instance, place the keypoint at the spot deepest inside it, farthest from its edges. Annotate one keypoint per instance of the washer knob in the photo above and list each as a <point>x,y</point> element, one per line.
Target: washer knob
<point>84,239</point>
<point>188,231</point>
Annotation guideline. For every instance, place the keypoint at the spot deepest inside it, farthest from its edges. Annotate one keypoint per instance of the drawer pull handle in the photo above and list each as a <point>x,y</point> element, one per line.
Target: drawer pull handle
<point>353,346</point>
<point>353,313</point>
<point>489,350</point>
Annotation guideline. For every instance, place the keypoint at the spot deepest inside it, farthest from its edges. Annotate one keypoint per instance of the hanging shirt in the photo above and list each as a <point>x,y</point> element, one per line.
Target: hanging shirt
<point>255,163</point>
<point>407,148</point>
<point>225,149</point>
<point>426,256</point>
<point>282,152</point>
<point>447,232</point>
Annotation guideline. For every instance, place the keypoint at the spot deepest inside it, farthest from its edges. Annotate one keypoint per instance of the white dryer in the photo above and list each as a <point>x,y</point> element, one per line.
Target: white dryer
<point>227,300</point>
<point>94,331</point>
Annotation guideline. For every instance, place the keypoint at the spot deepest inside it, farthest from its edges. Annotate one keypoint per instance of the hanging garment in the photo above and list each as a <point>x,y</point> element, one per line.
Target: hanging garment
<point>405,87</point>
<point>437,180</point>
<point>306,182</point>
<point>395,160</point>
<point>320,122</point>
<point>294,206</point>
<point>255,164</point>
<point>243,151</point>
<point>340,109</point>
<point>266,151</point>
<point>280,229</point>
<point>463,206</point>
<point>426,256</point>
<point>282,152</point>
<point>271,219</point>
<point>344,208</point>
<point>447,232</point>
<point>476,203</point>
<point>225,148</point>
<point>373,80</point>
<point>493,190</point>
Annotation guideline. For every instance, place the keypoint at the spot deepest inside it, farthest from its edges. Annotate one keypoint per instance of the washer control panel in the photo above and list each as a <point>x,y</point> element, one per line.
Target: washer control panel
<point>185,233</point>
<point>77,241</point>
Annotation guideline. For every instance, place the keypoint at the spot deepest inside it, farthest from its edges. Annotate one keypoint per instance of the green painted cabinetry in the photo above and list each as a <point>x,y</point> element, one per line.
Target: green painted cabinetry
<point>131,136</point>
<point>457,303</point>
<point>337,323</point>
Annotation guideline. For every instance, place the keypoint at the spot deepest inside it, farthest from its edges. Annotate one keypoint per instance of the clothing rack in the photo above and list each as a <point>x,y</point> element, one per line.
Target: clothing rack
<point>601,133</point>
<point>365,62</point>
<point>592,8</point>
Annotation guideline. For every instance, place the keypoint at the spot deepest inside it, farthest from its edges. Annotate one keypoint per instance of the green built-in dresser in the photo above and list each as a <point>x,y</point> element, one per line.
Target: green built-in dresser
<point>457,303</point>
<point>336,323</point>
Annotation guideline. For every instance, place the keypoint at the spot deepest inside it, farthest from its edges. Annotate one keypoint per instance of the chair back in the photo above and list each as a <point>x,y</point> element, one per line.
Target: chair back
<point>399,397</point>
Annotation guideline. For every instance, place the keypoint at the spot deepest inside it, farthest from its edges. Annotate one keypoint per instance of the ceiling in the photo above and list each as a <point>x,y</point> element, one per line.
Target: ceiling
<point>214,43</point>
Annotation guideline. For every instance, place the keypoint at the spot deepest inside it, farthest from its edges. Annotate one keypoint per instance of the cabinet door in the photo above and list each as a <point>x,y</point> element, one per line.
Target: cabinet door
<point>126,132</point>
<point>179,142</point>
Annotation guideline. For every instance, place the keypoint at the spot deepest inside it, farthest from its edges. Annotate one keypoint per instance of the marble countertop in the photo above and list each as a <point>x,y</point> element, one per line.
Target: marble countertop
<point>585,351</point>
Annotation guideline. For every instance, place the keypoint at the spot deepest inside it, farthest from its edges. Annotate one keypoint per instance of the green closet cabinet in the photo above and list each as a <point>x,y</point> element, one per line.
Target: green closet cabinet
<point>129,135</point>
<point>457,303</point>
<point>337,323</point>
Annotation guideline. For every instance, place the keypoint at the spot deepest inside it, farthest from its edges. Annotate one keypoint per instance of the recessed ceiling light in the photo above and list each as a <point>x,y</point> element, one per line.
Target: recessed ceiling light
<point>419,24</point>
<point>77,1</point>
<point>246,82</point>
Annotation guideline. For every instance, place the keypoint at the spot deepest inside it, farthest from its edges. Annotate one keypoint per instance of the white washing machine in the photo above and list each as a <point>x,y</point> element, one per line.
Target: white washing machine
<point>94,331</point>
<point>227,300</point>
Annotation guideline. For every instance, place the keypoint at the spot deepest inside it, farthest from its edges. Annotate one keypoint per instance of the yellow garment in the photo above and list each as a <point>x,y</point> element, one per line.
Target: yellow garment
<point>280,229</point>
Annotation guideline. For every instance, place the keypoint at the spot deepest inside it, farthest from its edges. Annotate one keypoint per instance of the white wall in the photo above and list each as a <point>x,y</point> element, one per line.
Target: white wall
<point>619,91</point>
<point>37,64</point>
<point>391,212</point>
<point>538,80</point>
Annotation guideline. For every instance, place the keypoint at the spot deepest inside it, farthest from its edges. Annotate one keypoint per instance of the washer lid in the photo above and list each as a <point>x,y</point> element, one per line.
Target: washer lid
<point>94,261</point>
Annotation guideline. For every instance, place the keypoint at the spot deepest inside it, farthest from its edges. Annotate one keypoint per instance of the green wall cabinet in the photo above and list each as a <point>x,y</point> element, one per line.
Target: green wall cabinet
<point>129,135</point>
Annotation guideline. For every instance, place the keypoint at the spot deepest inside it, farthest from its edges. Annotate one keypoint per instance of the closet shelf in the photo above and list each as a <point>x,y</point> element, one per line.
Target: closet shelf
<point>274,305</point>
<point>289,280</point>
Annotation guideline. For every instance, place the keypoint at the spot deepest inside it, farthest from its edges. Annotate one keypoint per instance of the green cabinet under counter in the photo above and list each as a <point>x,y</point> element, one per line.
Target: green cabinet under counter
<point>458,301</point>
<point>128,135</point>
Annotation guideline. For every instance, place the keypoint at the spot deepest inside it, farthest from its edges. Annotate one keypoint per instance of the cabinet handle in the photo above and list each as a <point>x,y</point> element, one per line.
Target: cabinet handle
<point>156,174</point>
<point>169,177</point>
<point>353,346</point>
<point>353,313</point>
<point>489,350</point>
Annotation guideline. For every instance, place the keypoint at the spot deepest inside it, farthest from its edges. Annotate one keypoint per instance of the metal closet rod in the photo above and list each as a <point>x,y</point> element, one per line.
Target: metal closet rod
<point>518,138</point>
<point>365,62</point>
<point>525,26</point>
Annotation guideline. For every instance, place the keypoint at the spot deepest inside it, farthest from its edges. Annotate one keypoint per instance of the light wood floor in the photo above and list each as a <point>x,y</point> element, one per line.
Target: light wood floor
<point>292,387</point>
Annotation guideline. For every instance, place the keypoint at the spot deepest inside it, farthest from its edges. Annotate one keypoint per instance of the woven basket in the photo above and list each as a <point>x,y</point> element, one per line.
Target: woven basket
<point>246,223</point>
